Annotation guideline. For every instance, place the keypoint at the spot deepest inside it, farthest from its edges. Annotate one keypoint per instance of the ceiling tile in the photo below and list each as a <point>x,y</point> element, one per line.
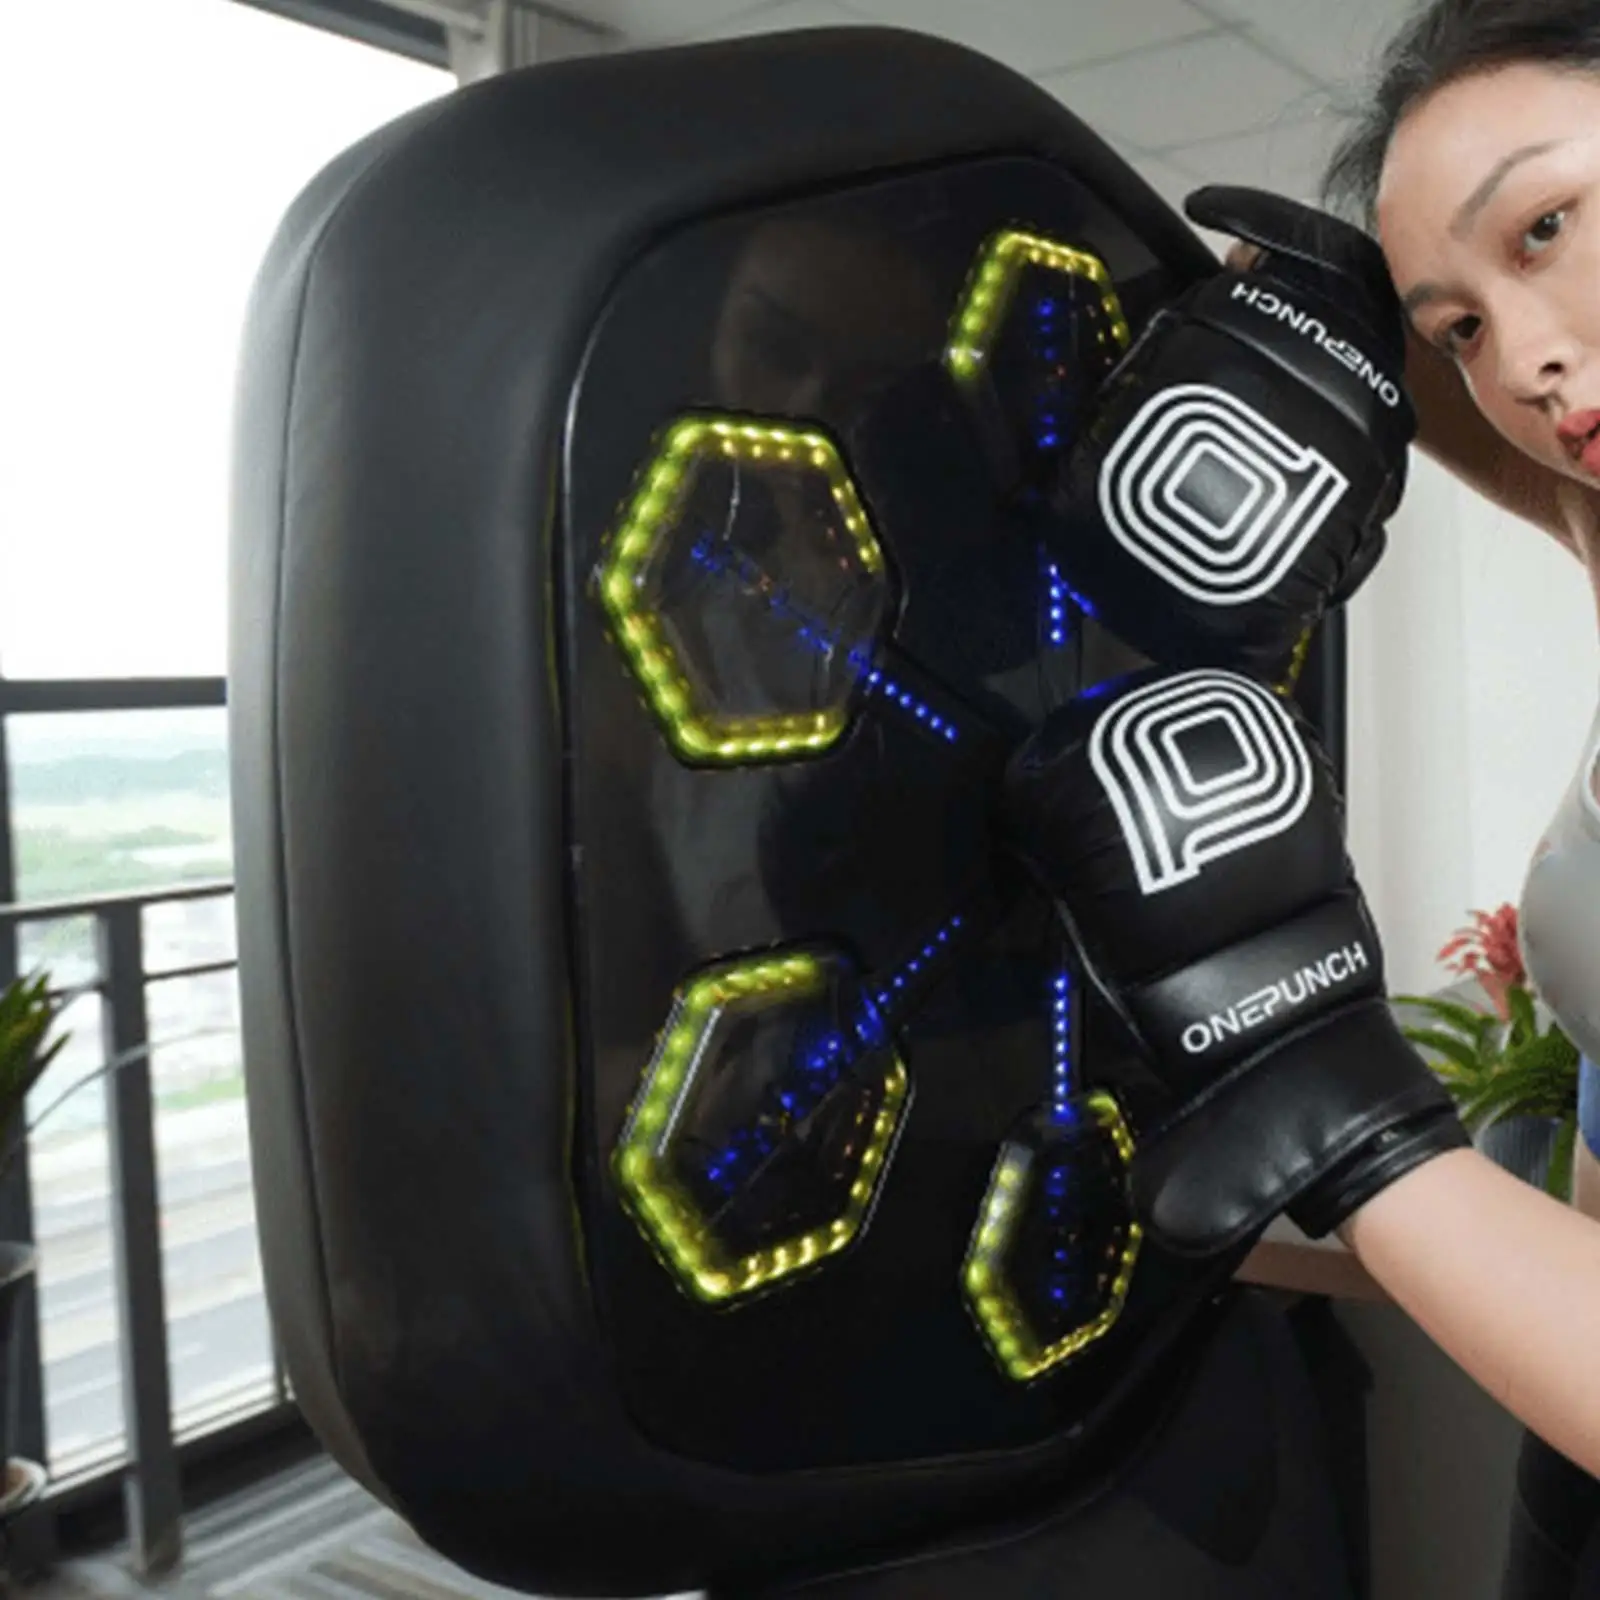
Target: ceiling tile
<point>1286,157</point>
<point>1210,87</point>
<point>1172,185</point>
<point>784,15</point>
<point>654,21</point>
<point>1334,40</point>
<point>1038,36</point>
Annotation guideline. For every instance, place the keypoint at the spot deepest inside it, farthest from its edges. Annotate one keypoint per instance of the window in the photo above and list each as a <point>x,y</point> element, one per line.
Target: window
<point>142,179</point>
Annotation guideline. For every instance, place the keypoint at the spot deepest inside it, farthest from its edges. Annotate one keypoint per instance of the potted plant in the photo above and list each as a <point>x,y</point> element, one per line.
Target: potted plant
<point>1512,1072</point>
<point>28,1015</point>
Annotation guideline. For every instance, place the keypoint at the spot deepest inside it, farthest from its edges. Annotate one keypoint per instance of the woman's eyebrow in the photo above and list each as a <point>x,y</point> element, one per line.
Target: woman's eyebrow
<point>1469,208</point>
<point>1420,296</point>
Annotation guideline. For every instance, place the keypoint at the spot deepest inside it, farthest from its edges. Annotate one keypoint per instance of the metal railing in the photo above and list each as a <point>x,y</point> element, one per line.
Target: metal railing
<point>149,1467</point>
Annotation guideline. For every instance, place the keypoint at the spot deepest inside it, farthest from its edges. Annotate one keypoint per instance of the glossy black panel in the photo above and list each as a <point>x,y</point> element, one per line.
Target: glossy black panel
<point>834,312</point>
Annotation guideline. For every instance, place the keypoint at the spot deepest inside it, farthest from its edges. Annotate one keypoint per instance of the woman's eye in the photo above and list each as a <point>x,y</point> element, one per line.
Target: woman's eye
<point>1460,332</point>
<point>1543,232</point>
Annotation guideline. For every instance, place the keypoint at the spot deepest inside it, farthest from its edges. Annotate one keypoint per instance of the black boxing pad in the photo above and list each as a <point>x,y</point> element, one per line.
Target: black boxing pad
<point>682,1153</point>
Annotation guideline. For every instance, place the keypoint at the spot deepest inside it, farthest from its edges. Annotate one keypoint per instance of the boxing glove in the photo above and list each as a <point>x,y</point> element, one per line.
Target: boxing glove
<point>1246,452</point>
<point>1188,828</point>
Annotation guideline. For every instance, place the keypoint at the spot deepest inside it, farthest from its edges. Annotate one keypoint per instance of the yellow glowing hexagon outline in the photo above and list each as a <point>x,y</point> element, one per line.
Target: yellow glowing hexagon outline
<point>662,1208</point>
<point>991,1298</point>
<point>983,307</point>
<point>696,734</point>
<point>1297,661</point>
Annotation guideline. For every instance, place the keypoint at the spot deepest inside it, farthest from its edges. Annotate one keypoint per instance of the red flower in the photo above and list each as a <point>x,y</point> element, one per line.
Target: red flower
<point>1488,951</point>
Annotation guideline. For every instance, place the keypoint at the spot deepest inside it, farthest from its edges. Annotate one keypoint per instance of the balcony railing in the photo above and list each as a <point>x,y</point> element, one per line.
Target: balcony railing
<point>140,1201</point>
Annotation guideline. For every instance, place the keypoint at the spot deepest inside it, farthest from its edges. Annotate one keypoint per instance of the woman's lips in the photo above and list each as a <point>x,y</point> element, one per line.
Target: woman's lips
<point>1578,434</point>
<point>1588,455</point>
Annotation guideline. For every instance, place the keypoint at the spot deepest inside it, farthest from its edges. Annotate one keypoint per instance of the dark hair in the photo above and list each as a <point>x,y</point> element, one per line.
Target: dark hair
<point>1444,41</point>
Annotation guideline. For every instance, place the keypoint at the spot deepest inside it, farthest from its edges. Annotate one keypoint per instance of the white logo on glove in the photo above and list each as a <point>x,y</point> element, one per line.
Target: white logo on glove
<point>1255,1010</point>
<point>1314,328</point>
<point>1212,497</point>
<point>1176,816</point>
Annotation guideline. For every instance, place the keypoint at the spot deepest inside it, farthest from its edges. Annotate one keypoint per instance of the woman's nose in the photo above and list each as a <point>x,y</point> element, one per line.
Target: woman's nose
<point>1536,353</point>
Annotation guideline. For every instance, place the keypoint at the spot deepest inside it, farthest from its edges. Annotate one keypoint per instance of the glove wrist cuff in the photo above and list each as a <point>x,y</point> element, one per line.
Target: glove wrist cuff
<point>1392,1153</point>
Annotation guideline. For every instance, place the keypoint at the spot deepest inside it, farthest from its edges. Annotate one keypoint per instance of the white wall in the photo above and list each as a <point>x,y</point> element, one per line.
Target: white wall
<point>1474,659</point>
<point>1474,668</point>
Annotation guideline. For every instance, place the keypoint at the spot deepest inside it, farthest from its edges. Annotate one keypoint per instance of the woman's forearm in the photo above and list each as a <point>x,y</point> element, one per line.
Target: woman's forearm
<point>1505,1280</point>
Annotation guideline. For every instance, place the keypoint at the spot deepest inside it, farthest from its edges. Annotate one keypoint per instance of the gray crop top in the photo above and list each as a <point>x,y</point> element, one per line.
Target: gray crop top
<point>1559,922</point>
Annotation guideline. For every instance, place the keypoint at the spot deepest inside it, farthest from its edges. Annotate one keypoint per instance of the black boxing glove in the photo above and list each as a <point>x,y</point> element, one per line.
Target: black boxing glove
<point>1187,825</point>
<point>1247,450</point>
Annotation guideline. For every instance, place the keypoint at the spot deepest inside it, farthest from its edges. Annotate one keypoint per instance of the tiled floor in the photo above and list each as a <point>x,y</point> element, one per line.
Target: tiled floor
<point>310,1534</point>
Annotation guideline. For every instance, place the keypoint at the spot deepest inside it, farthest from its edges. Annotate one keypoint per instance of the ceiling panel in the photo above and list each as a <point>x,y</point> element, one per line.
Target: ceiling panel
<point>1335,40</point>
<point>778,18</point>
<point>1039,36</point>
<point>1172,185</point>
<point>654,21</point>
<point>1211,87</point>
<point>1287,157</point>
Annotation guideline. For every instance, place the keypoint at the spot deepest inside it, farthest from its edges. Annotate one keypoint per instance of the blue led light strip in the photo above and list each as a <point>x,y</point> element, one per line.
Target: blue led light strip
<point>760,586</point>
<point>1046,418</point>
<point>1058,1180</point>
<point>890,996</point>
<point>879,682</point>
<point>1058,1196</point>
<point>1062,1109</point>
<point>1059,595</point>
<point>1055,630</point>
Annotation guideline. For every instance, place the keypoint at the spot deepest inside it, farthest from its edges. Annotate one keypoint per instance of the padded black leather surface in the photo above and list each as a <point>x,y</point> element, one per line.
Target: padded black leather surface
<point>399,817</point>
<point>1231,1501</point>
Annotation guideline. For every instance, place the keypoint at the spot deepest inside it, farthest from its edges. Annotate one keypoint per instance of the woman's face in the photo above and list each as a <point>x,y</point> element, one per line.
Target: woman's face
<point>1489,215</point>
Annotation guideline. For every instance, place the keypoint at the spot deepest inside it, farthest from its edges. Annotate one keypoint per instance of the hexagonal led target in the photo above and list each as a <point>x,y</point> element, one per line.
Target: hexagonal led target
<point>992,290</point>
<point>1037,330</point>
<point>760,1133</point>
<point>1049,1265</point>
<point>745,587</point>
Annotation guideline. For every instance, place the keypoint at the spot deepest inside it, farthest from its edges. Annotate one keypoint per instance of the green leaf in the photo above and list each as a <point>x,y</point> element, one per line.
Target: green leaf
<point>1455,1050</point>
<point>1558,1180</point>
<point>28,1014</point>
<point>1546,1065</point>
<point>1524,1019</point>
<point>1458,1053</point>
<point>1540,1079</point>
<point>1467,1019</point>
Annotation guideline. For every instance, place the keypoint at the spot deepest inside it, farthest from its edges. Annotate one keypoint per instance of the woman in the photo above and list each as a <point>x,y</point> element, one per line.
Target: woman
<point>1478,166</point>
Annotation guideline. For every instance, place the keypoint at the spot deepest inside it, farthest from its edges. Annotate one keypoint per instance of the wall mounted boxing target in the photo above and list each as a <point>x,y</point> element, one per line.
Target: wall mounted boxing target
<point>684,1151</point>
